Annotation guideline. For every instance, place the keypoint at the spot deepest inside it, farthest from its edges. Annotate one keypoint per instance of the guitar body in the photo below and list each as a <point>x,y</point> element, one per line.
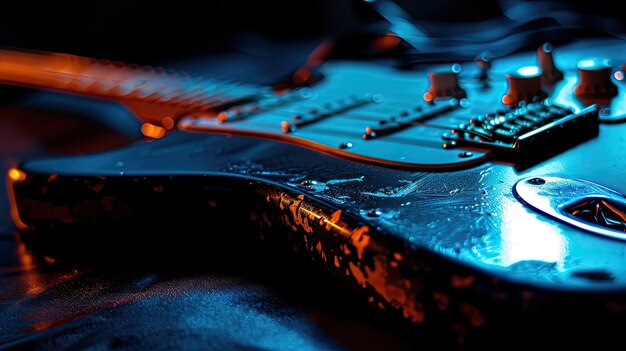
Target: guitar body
<point>452,248</point>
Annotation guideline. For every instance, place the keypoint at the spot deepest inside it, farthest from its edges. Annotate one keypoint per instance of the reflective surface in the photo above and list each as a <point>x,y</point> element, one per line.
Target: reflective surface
<point>452,250</point>
<point>169,296</point>
<point>581,204</point>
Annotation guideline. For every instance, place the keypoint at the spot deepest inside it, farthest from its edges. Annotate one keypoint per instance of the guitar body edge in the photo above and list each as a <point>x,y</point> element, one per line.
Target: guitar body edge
<point>111,211</point>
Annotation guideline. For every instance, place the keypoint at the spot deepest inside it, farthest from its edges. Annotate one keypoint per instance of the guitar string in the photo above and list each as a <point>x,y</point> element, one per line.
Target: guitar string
<point>175,94</point>
<point>355,116</point>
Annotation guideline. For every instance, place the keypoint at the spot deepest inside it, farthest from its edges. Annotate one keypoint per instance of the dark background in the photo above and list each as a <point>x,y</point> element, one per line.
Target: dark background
<point>136,30</point>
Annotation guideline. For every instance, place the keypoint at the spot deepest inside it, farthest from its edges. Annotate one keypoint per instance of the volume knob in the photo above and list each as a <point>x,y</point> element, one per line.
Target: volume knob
<point>550,74</point>
<point>594,80</point>
<point>524,85</point>
<point>444,83</point>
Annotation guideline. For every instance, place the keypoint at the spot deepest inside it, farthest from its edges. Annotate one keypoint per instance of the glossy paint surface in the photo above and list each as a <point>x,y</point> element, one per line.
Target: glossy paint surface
<point>465,225</point>
<point>469,216</point>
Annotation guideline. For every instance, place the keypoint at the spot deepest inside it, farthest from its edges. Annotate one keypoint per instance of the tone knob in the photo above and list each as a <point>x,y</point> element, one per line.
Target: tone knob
<point>550,74</point>
<point>444,83</point>
<point>594,81</point>
<point>524,85</point>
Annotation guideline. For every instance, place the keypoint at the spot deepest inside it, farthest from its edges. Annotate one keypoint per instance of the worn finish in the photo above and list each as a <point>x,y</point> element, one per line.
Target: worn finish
<point>452,251</point>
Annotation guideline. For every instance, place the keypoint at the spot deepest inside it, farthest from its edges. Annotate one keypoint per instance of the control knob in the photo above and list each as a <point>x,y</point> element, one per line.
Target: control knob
<point>550,74</point>
<point>524,85</point>
<point>594,81</point>
<point>444,83</point>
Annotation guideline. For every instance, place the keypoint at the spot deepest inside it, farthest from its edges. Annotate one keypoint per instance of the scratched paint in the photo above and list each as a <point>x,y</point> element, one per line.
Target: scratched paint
<point>321,186</point>
<point>406,187</point>
<point>384,277</point>
<point>386,281</point>
<point>416,288</point>
<point>355,255</point>
<point>371,270</point>
<point>330,222</point>
<point>360,240</point>
<point>454,215</point>
<point>299,218</point>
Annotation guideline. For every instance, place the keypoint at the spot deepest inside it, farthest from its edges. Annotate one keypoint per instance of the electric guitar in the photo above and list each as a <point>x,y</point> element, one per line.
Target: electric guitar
<point>480,198</point>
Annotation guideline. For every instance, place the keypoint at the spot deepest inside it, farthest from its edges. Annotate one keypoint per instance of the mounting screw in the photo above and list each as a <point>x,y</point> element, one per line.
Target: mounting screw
<point>345,145</point>
<point>536,181</point>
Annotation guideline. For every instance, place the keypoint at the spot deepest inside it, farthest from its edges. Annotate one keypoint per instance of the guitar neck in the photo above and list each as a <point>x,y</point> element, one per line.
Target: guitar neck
<point>142,88</point>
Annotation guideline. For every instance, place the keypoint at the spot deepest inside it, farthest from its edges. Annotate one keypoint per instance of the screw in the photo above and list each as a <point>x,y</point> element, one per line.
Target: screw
<point>345,145</point>
<point>536,181</point>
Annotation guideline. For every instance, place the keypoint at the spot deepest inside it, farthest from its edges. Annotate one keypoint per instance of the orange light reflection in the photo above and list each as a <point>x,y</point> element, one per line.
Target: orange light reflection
<point>386,42</point>
<point>428,97</point>
<point>152,131</point>
<point>16,175</point>
<point>32,279</point>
